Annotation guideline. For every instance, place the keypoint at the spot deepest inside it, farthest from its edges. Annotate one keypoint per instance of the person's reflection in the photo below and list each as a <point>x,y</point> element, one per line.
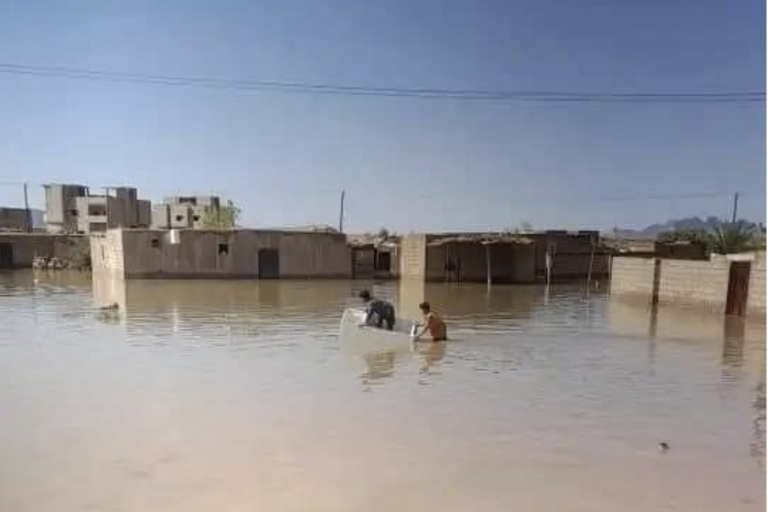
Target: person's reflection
<point>379,366</point>
<point>431,353</point>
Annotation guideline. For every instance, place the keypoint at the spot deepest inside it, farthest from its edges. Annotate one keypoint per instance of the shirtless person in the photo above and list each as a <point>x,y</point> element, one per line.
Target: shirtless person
<point>432,323</point>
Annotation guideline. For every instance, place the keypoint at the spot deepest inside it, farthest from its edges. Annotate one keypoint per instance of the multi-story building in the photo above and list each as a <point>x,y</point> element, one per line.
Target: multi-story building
<point>72,209</point>
<point>183,212</point>
<point>61,214</point>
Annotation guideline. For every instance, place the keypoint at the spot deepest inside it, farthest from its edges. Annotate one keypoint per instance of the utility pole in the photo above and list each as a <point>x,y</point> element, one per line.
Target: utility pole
<point>26,209</point>
<point>735,207</point>
<point>341,213</point>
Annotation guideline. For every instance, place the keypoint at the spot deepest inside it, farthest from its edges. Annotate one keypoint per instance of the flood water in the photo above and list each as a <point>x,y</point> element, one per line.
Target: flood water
<point>236,396</point>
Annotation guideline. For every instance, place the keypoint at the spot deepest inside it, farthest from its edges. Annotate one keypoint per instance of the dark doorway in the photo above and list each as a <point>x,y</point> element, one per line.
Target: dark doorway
<point>383,261</point>
<point>269,264</point>
<point>6,255</point>
<point>738,287</point>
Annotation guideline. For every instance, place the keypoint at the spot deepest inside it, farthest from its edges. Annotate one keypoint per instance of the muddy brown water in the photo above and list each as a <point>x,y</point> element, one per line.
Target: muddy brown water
<point>236,396</point>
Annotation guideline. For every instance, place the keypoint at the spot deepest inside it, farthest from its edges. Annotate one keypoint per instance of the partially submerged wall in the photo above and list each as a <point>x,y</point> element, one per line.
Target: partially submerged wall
<point>695,283</point>
<point>220,254</point>
<point>413,257</point>
<point>689,283</point>
<point>23,248</point>
<point>756,294</point>
<point>632,277</point>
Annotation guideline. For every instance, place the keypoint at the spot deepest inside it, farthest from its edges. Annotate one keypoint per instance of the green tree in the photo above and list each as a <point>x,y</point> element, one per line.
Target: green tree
<point>223,217</point>
<point>383,233</point>
<point>733,237</point>
<point>686,235</point>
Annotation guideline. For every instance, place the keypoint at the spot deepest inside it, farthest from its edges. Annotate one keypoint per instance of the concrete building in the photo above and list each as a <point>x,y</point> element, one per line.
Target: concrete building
<point>183,212</point>
<point>73,209</point>
<point>229,254</point>
<point>61,214</point>
<point>15,219</point>
<point>502,258</point>
<point>374,257</point>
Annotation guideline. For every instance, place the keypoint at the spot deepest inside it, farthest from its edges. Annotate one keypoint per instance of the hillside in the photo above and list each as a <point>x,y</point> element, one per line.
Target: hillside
<point>653,231</point>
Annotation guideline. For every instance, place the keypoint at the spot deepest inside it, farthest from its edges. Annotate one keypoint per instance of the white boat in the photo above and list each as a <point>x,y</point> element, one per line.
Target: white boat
<point>366,339</point>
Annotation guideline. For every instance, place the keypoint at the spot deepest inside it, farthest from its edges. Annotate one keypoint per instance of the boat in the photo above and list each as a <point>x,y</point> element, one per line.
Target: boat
<point>355,336</point>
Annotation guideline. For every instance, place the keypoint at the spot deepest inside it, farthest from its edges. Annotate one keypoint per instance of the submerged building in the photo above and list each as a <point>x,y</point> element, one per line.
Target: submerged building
<point>503,258</point>
<point>220,254</point>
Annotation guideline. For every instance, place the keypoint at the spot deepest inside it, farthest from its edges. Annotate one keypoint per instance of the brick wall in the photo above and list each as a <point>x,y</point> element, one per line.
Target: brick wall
<point>632,277</point>
<point>695,283</point>
<point>756,297</point>
<point>107,253</point>
<point>413,257</point>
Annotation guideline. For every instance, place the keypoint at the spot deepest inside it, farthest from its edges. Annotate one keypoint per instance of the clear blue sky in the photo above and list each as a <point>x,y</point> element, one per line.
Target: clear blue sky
<point>407,164</point>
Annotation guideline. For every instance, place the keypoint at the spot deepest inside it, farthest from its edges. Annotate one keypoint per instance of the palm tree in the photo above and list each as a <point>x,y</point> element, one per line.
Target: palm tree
<point>733,237</point>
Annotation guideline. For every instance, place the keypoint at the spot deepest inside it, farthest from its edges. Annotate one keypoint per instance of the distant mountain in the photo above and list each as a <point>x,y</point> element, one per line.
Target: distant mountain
<point>653,231</point>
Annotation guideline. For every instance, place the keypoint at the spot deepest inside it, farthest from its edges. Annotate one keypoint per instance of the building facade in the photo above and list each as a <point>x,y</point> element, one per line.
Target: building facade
<point>73,209</point>
<point>15,219</point>
<point>183,212</point>
<point>506,258</point>
<point>214,254</point>
<point>61,214</point>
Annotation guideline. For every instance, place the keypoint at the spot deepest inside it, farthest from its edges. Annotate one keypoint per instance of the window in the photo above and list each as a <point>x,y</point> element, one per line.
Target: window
<point>179,218</point>
<point>223,249</point>
<point>196,218</point>
<point>73,213</point>
<point>155,243</point>
<point>102,253</point>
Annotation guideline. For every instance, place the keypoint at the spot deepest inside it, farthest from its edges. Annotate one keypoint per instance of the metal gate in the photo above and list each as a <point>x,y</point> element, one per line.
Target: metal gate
<point>738,288</point>
<point>269,264</point>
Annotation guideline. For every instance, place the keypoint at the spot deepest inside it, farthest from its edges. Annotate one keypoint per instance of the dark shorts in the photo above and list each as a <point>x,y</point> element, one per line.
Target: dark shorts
<point>386,318</point>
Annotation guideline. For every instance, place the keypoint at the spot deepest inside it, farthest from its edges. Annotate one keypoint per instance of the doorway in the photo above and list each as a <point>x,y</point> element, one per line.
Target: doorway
<point>269,264</point>
<point>738,288</point>
<point>6,255</point>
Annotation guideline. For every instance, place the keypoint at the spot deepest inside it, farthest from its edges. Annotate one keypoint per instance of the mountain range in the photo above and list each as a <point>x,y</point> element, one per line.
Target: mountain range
<point>653,231</point>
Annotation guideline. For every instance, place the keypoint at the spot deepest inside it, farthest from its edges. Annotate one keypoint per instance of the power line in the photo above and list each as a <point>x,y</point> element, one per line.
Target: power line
<point>356,90</point>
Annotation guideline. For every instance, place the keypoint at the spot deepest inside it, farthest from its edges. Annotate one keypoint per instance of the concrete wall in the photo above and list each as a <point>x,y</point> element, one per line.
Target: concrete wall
<point>26,247</point>
<point>413,257</point>
<point>144,212</point>
<point>219,254</point>
<point>632,277</point>
<point>756,297</point>
<point>524,264</point>
<point>695,283</point>
<point>161,216</point>
<point>15,219</point>
<point>60,205</point>
<point>107,253</point>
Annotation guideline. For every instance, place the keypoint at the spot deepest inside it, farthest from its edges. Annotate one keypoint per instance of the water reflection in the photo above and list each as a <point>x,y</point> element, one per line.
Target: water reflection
<point>758,445</point>
<point>431,354</point>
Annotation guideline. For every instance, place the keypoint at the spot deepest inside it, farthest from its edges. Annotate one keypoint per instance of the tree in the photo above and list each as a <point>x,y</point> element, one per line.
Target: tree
<point>223,217</point>
<point>724,238</point>
<point>733,237</point>
<point>691,235</point>
<point>383,233</point>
